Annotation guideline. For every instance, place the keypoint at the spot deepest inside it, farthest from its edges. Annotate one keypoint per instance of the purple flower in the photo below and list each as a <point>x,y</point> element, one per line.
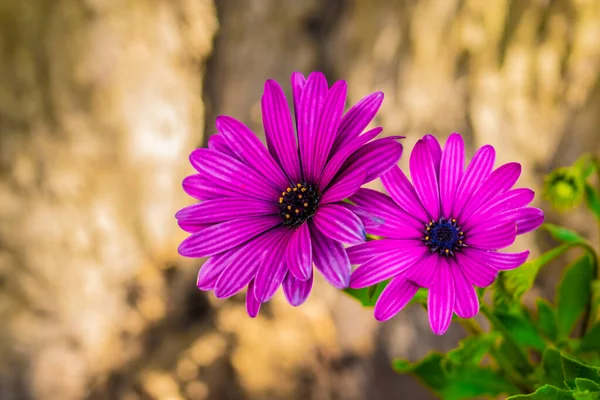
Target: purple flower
<point>442,232</point>
<point>266,215</point>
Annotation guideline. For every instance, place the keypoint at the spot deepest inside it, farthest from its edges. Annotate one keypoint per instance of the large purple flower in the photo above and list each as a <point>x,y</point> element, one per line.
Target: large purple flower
<point>442,231</point>
<point>266,215</point>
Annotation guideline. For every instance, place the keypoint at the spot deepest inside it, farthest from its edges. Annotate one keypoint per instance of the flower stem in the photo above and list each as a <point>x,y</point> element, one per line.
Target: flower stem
<point>471,326</point>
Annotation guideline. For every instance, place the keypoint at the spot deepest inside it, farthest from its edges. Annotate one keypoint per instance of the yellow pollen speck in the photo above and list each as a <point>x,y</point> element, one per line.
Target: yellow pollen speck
<point>305,204</point>
<point>299,185</point>
<point>283,193</point>
<point>287,215</point>
<point>428,228</point>
<point>295,189</point>
<point>299,196</point>
<point>447,251</point>
<point>460,242</point>
<point>426,237</point>
<point>289,189</point>
<point>297,211</point>
<point>453,220</point>
<point>431,223</point>
<point>303,189</point>
<point>460,233</point>
<point>289,207</point>
<point>280,200</point>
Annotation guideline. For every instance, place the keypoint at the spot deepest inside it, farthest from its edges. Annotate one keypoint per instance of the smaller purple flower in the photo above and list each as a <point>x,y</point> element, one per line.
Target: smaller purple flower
<point>267,214</point>
<point>442,232</point>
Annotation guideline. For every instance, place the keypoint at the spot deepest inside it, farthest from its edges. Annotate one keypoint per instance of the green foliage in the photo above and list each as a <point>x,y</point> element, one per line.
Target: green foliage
<point>591,340</point>
<point>368,296</point>
<point>563,234</point>
<point>592,200</point>
<point>574,293</point>
<point>584,384</point>
<point>521,328</point>
<point>547,319</point>
<point>471,350</point>
<point>546,392</point>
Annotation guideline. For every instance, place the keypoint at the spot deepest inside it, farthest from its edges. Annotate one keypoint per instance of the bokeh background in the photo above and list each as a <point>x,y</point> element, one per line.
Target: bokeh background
<point>101,101</point>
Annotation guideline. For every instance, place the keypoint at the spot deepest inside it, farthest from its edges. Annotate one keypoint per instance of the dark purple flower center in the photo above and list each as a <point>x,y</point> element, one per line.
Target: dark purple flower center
<point>444,236</point>
<point>298,204</point>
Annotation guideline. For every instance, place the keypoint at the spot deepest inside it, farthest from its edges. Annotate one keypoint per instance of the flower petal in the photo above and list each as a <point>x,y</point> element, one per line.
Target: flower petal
<point>498,182</point>
<point>342,155</point>
<point>440,302</point>
<point>339,223</point>
<point>299,253</point>
<point>247,148</point>
<point>396,295</point>
<point>499,261</point>
<point>330,259</point>
<point>192,227</point>
<point>383,206</point>
<point>230,173</point>
<point>385,266</point>
<point>200,187</point>
<point>365,251</point>
<point>509,200</point>
<point>528,219</point>
<point>252,305</point>
<point>435,149</point>
<point>493,235</point>
<point>376,158</point>
<point>279,130</point>
<point>357,119</point>
<point>329,122</point>
<point>478,170</point>
<point>272,270</point>
<point>422,170</point>
<point>307,115</point>
<point>212,269</point>
<point>403,193</point>
<point>218,143</point>
<point>476,272</point>
<point>451,169</point>
<point>368,219</point>
<point>226,235</point>
<point>296,291</point>
<point>244,264</point>
<point>423,273</point>
<point>298,81</point>
<point>345,186</point>
<point>466,303</point>
<point>225,209</point>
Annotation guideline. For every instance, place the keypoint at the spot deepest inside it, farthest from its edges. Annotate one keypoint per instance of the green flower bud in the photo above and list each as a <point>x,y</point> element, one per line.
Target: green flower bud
<point>564,188</point>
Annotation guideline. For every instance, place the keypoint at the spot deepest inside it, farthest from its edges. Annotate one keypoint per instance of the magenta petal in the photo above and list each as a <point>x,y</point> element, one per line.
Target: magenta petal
<point>365,251</point>
<point>252,305</point>
<point>435,149</point>
<point>396,295</point>
<point>226,235</point>
<point>219,210</point>
<point>357,119</point>
<point>451,169</point>
<point>329,121</point>
<point>330,259</point>
<point>201,188</point>
<point>422,170</point>
<point>341,156</point>
<point>246,146</point>
<point>423,273</point>
<point>368,219</point>
<point>376,158</point>
<point>299,253</point>
<point>509,200</point>
<point>493,235</point>
<point>298,81</point>
<point>279,130</point>
<point>385,266</point>
<point>440,302</point>
<point>476,272</point>
<point>403,193</point>
<point>212,269</point>
<point>311,102</point>
<point>345,186</point>
<point>218,143</point>
<point>478,170</point>
<point>192,227</point>
<point>230,173</point>
<point>499,261</point>
<point>272,269</point>
<point>339,223</point>
<point>397,227</point>
<point>528,219</point>
<point>498,182</point>
<point>296,291</point>
<point>383,206</point>
<point>466,303</point>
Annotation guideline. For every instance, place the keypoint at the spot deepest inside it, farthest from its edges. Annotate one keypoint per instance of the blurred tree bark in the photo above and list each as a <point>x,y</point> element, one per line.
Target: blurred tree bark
<point>100,103</point>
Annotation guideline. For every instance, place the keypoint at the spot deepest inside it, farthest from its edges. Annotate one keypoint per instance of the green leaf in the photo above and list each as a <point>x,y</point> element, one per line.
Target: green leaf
<point>553,369</point>
<point>574,293</point>
<point>546,392</point>
<point>470,382</point>
<point>574,369</point>
<point>547,319</point>
<point>429,370</point>
<point>472,349</point>
<point>367,296</point>
<point>563,234</point>
<point>521,329</point>
<point>586,384</point>
<point>591,340</point>
<point>586,395</point>
<point>592,200</point>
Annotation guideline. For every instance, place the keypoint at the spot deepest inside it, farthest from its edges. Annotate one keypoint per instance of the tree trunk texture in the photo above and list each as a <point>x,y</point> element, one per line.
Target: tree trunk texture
<point>101,101</point>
